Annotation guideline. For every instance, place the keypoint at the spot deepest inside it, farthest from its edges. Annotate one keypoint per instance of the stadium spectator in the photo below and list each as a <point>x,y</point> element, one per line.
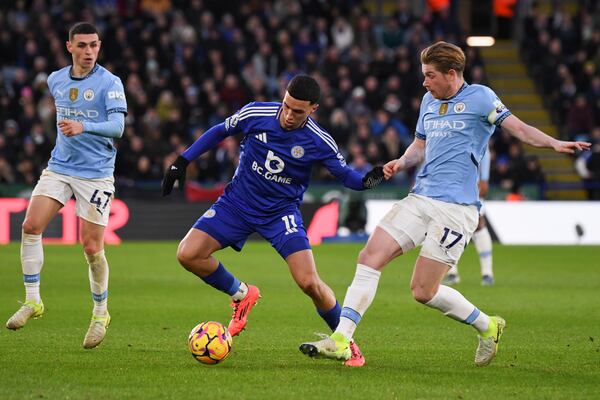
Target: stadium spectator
<point>213,61</point>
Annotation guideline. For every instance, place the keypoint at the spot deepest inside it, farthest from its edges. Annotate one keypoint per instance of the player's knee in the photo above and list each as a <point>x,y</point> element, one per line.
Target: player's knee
<point>91,247</point>
<point>422,294</point>
<point>366,256</point>
<point>310,286</point>
<point>31,228</point>
<point>184,256</point>
<point>187,256</point>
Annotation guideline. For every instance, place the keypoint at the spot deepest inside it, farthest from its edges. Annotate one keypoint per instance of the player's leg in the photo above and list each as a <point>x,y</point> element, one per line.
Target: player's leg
<point>388,241</point>
<point>483,244</point>
<point>446,237</point>
<point>93,201</point>
<point>426,289</point>
<point>304,271</point>
<point>218,228</point>
<point>287,235</point>
<point>380,248</point>
<point>92,238</point>
<point>39,213</point>
<point>49,195</point>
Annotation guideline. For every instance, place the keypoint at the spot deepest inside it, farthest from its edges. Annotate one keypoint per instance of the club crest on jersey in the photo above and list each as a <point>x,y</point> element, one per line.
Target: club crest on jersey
<point>459,107</point>
<point>73,92</point>
<point>297,151</point>
<point>209,213</point>
<point>443,108</point>
<point>88,95</point>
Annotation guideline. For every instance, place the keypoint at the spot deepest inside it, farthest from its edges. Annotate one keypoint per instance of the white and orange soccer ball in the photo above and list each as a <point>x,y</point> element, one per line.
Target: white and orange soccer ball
<point>210,342</point>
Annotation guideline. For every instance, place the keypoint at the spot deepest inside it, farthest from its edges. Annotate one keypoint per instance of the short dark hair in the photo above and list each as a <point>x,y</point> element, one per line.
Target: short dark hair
<point>82,28</point>
<point>304,87</point>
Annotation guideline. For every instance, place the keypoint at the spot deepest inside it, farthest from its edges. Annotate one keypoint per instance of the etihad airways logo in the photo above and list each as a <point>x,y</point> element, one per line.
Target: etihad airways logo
<point>445,124</point>
<point>75,112</point>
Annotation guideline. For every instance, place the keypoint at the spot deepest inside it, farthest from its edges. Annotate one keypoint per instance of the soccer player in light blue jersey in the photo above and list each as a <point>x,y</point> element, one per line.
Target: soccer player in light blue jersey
<point>280,145</point>
<point>90,113</point>
<point>455,123</point>
<point>481,237</point>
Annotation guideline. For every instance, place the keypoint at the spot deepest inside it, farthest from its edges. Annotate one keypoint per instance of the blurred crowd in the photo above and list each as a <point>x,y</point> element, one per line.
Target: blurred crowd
<point>563,53</point>
<point>187,65</point>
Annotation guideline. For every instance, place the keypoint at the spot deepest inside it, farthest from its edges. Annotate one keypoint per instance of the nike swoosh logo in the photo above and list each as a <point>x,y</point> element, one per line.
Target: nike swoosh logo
<point>173,167</point>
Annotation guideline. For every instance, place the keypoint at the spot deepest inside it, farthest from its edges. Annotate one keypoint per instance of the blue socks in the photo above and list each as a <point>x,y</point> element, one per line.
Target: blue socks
<point>222,280</point>
<point>332,317</point>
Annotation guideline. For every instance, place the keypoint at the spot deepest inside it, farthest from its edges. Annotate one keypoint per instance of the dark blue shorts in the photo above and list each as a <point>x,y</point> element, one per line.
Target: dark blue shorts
<point>231,227</point>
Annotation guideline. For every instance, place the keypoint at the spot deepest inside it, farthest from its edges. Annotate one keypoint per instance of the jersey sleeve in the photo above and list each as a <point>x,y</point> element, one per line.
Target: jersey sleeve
<point>493,109</point>
<point>420,129</point>
<point>50,82</point>
<point>238,122</point>
<point>115,97</point>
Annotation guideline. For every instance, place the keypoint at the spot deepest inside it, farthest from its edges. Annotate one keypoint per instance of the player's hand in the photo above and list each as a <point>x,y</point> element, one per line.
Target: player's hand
<point>392,168</point>
<point>373,178</point>
<point>69,127</point>
<point>175,172</point>
<point>570,147</point>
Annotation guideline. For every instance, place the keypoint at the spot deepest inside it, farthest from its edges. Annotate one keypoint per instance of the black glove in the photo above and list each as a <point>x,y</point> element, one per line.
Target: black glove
<point>373,178</point>
<point>176,172</point>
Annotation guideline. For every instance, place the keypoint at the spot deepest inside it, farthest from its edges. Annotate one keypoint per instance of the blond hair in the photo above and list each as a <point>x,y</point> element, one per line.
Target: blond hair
<point>444,57</point>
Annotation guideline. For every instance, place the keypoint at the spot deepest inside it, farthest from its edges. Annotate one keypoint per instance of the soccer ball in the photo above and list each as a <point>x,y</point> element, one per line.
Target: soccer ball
<point>210,342</point>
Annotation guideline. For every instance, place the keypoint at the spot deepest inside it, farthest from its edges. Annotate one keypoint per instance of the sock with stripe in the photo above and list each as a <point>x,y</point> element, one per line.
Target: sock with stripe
<point>359,296</point>
<point>32,259</point>
<point>456,306</point>
<point>98,274</point>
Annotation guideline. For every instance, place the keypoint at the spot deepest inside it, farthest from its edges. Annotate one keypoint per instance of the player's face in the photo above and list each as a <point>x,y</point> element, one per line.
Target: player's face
<point>436,82</point>
<point>294,112</point>
<point>84,48</point>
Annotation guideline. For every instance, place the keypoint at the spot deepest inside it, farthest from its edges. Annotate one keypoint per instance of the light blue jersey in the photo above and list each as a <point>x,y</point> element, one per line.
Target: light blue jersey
<point>484,166</point>
<point>90,100</point>
<point>456,131</point>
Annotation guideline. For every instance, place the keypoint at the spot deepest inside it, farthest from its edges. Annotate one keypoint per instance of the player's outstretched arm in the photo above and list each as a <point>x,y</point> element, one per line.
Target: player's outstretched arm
<point>535,137</point>
<point>414,154</point>
<point>175,173</point>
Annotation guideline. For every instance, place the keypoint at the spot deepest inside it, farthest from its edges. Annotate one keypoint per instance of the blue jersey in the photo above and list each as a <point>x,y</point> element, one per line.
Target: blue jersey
<point>88,99</point>
<point>456,132</point>
<point>275,164</point>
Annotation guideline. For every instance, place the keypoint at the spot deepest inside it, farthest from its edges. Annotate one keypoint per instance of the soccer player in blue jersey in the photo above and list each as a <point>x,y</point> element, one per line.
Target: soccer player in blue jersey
<point>455,123</point>
<point>481,237</point>
<point>90,112</point>
<point>281,143</point>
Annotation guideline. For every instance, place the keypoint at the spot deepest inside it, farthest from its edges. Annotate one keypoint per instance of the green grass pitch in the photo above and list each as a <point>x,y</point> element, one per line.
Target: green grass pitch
<point>549,296</point>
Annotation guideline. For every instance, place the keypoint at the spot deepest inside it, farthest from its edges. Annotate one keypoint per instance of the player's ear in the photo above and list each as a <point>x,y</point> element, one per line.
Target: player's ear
<point>314,107</point>
<point>69,46</point>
